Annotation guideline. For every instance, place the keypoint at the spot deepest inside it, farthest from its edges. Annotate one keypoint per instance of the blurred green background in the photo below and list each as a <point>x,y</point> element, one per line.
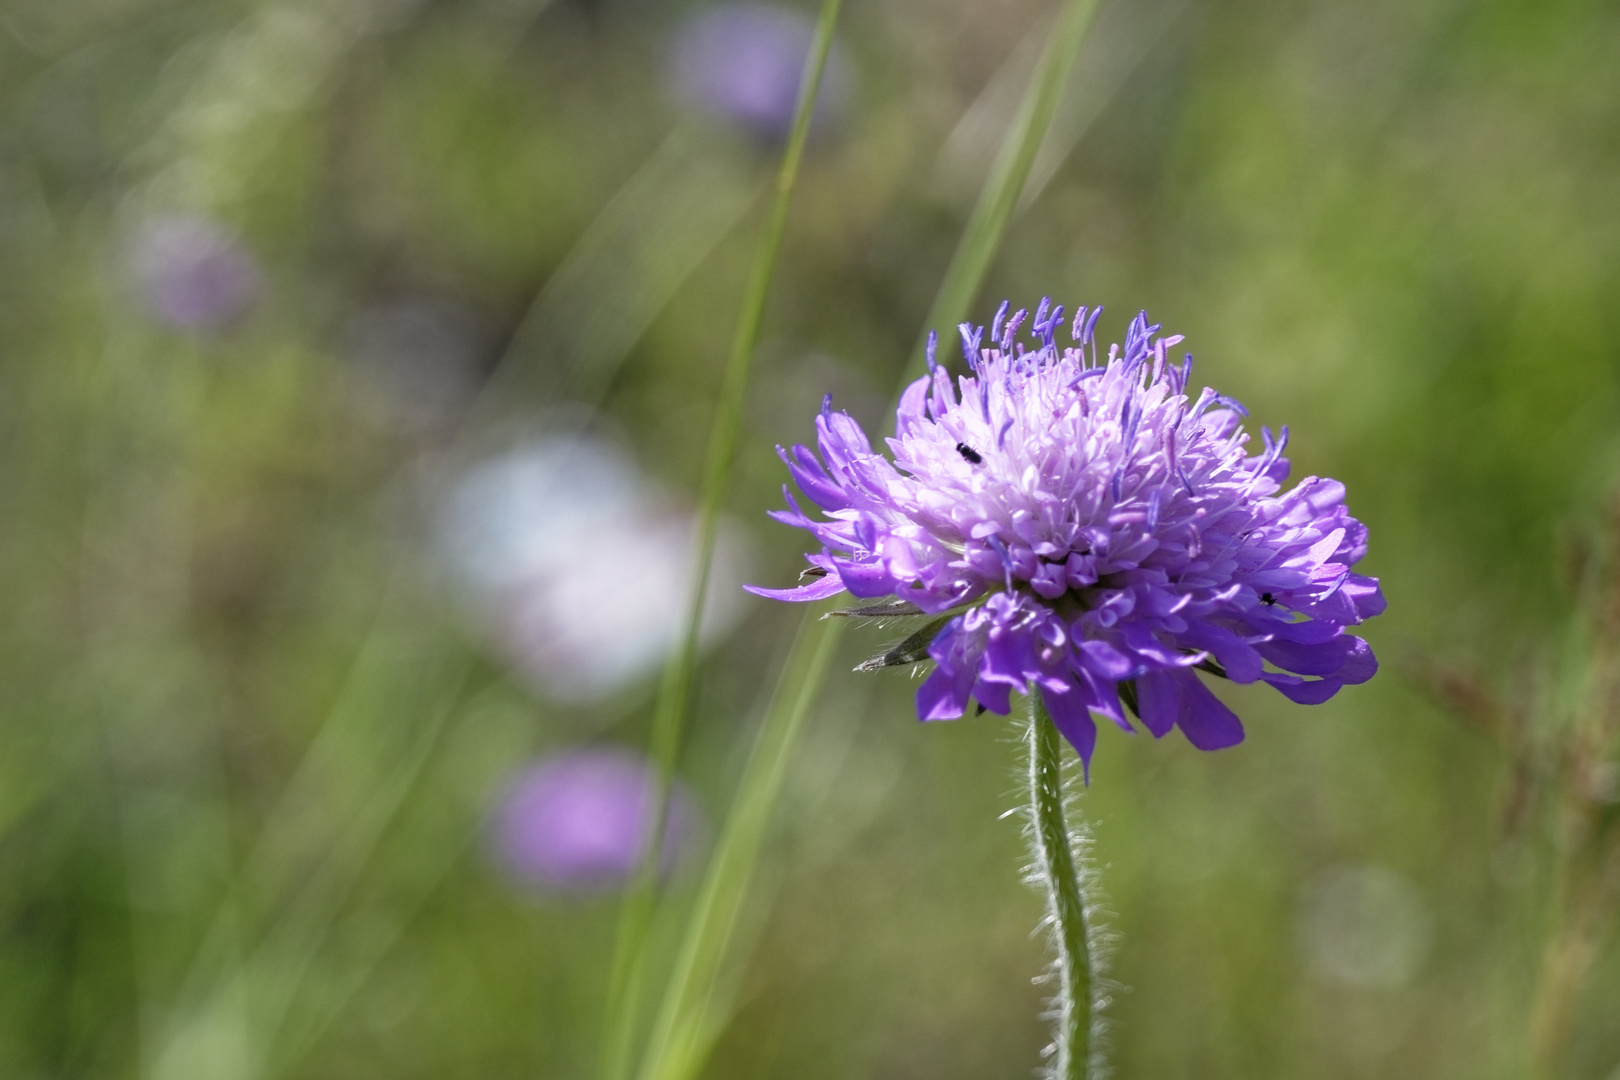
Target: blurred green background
<point>255,708</point>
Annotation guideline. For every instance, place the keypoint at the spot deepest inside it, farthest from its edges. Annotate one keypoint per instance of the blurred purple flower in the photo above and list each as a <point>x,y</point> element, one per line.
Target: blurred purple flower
<point>194,273</point>
<point>743,62</point>
<point>578,821</point>
<point>1088,530</point>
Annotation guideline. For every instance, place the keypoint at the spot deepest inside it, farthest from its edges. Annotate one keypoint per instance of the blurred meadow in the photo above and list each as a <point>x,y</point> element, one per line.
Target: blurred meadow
<point>359,358</point>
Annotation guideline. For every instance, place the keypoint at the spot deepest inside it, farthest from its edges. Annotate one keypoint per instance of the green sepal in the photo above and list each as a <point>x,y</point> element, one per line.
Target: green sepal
<point>1127,694</point>
<point>890,607</point>
<point>913,649</point>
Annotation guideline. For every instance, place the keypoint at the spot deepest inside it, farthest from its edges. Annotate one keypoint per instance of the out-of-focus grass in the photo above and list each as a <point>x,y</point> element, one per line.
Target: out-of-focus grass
<point>1387,225</point>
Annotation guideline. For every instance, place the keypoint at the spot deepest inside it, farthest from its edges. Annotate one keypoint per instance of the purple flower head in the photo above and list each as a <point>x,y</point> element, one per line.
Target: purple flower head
<point>579,821</point>
<point>1091,530</point>
<point>194,273</point>
<point>743,63</point>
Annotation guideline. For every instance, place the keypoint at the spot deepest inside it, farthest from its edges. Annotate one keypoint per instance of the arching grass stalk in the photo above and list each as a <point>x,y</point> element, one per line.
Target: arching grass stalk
<point>686,1024</point>
<point>982,235</point>
<point>1056,872</point>
<point>674,692</point>
<point>690,1016</point>
<point>1572,740</point>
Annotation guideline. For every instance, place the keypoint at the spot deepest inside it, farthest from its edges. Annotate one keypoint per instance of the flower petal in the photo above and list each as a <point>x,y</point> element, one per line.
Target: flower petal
<point>942,696</point>
<point>1101,658</point>
<point>819,589</point>
<point>1072,717</point>
<point>1179,698</point>
<point>995,696</point>
<point>1303,691</point>
<point>1205,719</point>
<point>1158,702</point>
<point>1242,663</point>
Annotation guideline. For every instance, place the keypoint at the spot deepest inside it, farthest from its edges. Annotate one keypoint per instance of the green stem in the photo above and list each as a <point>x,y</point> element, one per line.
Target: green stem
<point>677,1042</point>
<point>988,223</point>
<point>1586,890</point>
<point>674,692</point>
<point>1066,904</point>
<point>685,1015</point>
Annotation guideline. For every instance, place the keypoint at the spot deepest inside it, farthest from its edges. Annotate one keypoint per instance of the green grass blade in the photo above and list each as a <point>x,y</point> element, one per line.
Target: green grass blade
<point>674,694</point>
<point>620,275</point>
<point>994,210</point>
<point>245,981</point>
<point>676,1038</point>
<point>691,1014</point>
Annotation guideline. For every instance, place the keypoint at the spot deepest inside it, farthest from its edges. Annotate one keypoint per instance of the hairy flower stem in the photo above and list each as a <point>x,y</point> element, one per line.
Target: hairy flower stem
<point>1065,902</point>
<point>675,690</point>
<point>962,280</point>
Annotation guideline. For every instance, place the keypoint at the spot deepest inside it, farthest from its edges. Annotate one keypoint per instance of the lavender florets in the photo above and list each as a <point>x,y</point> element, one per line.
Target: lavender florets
<point>1090,530</point>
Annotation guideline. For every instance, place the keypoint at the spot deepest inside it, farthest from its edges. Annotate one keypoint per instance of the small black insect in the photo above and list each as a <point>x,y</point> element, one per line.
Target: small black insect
<point>1267,599</point>
<point>968,452</point>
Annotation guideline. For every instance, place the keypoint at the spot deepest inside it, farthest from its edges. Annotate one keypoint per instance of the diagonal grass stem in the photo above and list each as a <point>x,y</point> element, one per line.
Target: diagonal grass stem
<point>692,1013</point>
<point>675,690</point>
<point>678,1040</point>
<point>987,224</point>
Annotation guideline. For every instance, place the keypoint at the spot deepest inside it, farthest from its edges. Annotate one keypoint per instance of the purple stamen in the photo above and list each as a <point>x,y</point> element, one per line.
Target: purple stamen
<point>1049,331</point>
<point>1089,333</point>
<point>1006,560</point>
<point>971,336</point>
<point>1011,330</point>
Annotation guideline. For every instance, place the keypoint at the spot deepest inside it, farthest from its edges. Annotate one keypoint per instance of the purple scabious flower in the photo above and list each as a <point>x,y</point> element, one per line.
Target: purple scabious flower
<point>743,62</point>
<point>579,820</point>
<point>1088,530</point>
